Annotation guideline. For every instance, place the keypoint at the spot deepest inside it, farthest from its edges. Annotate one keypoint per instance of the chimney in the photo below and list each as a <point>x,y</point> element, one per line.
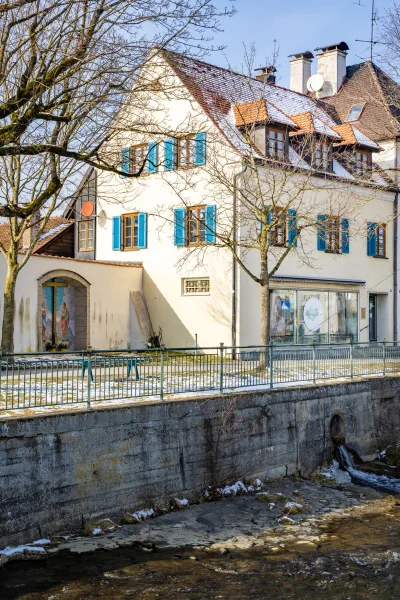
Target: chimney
<point>267,74</point>
<point>300,71</point>
<point>332,67</point>
<point>30,232</point>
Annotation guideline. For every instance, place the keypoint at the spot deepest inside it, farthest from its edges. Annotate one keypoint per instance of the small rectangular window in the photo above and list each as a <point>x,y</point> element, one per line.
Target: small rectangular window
<point>130,231</point>
<point>354,113</point>
<point>276,144</point>
<point>85,236</point>
<point>381,240</point>
<point>322,155</point>
<point>362,162</point>
<point>278,231</point>
<point>185,151</point>
<point>138,156</point>
<point>196,225</point>
<point>199,286</point>
<point>333,235</point>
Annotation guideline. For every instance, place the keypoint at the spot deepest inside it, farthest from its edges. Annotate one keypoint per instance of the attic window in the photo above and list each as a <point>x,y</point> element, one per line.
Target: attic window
<point>354,113</point>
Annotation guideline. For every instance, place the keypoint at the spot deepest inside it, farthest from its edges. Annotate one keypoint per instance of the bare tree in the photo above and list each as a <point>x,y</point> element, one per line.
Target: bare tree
<point>66,69</point>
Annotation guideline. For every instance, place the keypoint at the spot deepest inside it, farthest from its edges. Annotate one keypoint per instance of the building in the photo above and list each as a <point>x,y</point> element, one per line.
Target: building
<point>68,303</point>
<point>350,284</point>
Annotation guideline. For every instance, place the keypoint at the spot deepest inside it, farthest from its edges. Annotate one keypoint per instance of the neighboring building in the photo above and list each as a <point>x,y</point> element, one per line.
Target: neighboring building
<point>68,303</point>
<point>349,287</point>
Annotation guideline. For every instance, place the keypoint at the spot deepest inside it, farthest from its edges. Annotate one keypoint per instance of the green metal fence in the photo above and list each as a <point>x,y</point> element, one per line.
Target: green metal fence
<point>29,381</point>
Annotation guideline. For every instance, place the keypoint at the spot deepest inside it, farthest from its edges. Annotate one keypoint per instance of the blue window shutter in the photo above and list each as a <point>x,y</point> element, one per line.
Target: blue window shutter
<point>180,227</point>
<point>200,149</point>
<point>292,226</point>
<point>345,236</point>
<point>116,233</point>
<point>321,233</point>
<point>125,160</point>
<point>371,239</point>
<point>211,222</point>
<point>269,217</point>
<point>152,158</point>
<point>169,154</point>
<point>142,237</point>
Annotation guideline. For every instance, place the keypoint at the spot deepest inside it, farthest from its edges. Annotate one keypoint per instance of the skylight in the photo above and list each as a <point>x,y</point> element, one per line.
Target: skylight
<point>354,113</point>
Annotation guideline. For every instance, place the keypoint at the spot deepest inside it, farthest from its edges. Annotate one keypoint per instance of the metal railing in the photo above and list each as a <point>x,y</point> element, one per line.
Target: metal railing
<point>29,381</point>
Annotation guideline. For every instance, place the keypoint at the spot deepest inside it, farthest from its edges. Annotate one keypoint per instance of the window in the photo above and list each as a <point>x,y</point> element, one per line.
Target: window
<point>362,162</point>
<point>130,231</point>
<point>200,286</point>
<point>333,235</point>
<point>276,144</point>
<point>381,241</point>
<point>355,113</point>
<point>185,152</point>
<point>85,236</point>
<point>138,156</point>
<point>322,155</point>
<point>278,231</point>
<point>196,225</point>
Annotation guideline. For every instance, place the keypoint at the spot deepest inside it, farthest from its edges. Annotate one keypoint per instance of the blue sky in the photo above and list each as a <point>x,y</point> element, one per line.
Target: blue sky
<point>297,25</point>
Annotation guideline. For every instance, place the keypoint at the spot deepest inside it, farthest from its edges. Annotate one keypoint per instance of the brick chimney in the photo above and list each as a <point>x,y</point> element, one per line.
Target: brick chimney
<point>300,71</point>
<point>267,74</point>
<point>332,67</point>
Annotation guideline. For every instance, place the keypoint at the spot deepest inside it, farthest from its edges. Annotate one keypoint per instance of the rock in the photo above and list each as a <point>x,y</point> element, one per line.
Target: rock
<point>223,551</point>
<point>305,545</point>
<point>286,521</point>
<point>266,497</point>
<point>193,558</point>
<point>3,559</point>
<point>99,527</point>
<point>293,508</point>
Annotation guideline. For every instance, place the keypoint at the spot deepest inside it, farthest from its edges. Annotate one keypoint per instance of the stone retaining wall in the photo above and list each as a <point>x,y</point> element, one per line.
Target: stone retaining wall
<point>58,470</point>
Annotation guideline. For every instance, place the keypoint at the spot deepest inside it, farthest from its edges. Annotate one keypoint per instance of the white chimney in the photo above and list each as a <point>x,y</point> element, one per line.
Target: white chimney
<point>332,67</point>
<point>300,71</point>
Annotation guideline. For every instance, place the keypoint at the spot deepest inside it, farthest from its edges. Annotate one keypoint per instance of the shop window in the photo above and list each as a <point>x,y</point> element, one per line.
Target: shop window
<point>283,313</point>
<point>85,236</point>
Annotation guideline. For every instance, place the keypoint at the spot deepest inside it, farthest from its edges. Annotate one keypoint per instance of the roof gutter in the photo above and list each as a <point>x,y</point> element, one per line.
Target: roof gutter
<point>234,261</point>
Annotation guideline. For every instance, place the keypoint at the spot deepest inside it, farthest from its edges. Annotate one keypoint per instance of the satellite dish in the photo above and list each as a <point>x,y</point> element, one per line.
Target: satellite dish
<point>315,83</point>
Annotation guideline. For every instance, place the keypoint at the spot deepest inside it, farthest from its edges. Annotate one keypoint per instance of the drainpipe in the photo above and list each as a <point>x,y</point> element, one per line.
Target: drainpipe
<point>234,270</point>
<point>395,274</point>
<point>395,251</point>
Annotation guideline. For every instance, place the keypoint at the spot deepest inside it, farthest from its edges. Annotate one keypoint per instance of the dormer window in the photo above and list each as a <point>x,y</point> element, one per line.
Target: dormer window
<point>362,162</point>
<point>276,143</point>
<point>354,113</point>
<point>322,155</point>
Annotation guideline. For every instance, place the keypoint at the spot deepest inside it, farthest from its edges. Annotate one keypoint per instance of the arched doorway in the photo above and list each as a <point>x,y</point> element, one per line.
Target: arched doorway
<point>63,319</point>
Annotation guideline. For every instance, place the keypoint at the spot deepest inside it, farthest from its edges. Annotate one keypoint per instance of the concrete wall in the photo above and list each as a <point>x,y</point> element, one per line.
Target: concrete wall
<point>56,471</point>
<point>107,315</point>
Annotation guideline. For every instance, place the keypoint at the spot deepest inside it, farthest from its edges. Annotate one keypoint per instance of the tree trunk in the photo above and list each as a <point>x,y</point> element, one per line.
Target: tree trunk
<point>7,337</point>
<point>265,315</point>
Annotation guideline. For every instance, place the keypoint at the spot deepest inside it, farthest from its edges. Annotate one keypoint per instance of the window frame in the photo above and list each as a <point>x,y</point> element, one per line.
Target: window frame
<point>190,151</point>
<point>347,120</point>
<point>86,223</point>
<point>132,162</point>
<point>280,229</point>
<point>199,241</point>
<point>333,234</point>
<point>274,155</point>
<point>319,147</point>
<point>186,280</point>
<point>133,216</point>
<point>358,164</point>
<point>380,247</point>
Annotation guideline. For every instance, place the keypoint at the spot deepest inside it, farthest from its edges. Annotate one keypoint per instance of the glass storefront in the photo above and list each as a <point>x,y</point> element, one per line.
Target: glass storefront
<point>312,316</point>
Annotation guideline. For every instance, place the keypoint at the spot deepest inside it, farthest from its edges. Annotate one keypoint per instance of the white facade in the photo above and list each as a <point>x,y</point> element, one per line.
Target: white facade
<point>208,315</point>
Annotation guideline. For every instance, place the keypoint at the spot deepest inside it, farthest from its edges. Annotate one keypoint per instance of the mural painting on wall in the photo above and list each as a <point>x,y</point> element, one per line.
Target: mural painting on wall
<point>58,316</point>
